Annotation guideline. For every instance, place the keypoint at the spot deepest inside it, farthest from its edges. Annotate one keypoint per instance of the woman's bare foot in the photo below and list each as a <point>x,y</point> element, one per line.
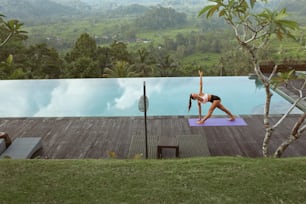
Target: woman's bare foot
<point>232,118</point>
<point>200,122</point>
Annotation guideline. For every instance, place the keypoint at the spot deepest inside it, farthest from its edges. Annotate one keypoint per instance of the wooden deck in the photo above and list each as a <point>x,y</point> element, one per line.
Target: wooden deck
<point>75,138</point>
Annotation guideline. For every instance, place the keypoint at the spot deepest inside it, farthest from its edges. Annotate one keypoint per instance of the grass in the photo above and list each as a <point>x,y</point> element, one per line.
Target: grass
<point>70,30</point>
<point>202,59</point>
<point>196,180</point>
<point>158,35</point>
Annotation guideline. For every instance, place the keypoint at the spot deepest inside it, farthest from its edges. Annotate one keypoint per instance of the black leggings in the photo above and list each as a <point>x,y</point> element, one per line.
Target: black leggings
<point>214,98</point>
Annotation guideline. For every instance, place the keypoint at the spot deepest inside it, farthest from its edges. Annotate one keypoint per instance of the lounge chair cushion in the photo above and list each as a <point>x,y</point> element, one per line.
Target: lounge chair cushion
<point>23,148</point>
<point>2,145</point>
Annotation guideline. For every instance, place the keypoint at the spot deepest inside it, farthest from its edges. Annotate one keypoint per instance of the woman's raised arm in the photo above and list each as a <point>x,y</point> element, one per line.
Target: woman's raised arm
<point>201,82</point>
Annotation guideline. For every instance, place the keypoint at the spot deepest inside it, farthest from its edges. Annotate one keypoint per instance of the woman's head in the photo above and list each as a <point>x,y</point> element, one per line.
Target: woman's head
<point>194,96</point>
<point>191,97</point>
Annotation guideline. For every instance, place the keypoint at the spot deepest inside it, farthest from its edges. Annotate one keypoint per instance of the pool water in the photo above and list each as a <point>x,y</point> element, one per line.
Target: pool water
<point>120,97</point>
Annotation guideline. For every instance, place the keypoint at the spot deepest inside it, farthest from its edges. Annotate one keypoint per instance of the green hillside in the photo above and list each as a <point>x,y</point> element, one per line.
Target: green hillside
<point>171,38</point>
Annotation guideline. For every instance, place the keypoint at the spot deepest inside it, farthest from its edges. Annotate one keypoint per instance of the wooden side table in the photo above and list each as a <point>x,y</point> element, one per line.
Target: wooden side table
<point>167,142</point>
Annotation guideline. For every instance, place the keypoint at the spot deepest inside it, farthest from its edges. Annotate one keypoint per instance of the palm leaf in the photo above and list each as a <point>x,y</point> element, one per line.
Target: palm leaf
<point>209,9</point>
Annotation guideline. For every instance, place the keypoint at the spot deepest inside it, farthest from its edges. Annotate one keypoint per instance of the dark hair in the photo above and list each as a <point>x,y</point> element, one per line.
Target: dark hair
<point>190,102</point>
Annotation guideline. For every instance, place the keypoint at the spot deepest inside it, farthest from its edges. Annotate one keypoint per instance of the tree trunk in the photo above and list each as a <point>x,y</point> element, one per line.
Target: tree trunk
<point>267,105</point>
<point>269,130</point>
<point>268,135</point>
<point>266,141</point>
<point>295,134</point>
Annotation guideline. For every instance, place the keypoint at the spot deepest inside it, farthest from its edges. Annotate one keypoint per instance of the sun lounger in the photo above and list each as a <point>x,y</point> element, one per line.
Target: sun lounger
<point>2,145</point>
<point>22,148</point>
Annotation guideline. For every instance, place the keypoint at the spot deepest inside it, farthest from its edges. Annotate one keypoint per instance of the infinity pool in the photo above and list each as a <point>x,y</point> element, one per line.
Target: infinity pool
<point>119,97</point>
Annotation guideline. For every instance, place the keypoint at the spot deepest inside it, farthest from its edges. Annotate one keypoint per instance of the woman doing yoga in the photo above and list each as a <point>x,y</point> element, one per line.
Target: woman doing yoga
<point>203,98</point>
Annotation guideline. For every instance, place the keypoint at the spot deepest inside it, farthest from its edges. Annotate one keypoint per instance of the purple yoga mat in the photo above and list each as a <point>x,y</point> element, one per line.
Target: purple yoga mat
<point>218,122</point>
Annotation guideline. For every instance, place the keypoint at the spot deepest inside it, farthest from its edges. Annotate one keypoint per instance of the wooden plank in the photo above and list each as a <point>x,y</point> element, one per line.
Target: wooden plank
<point>193,146</point>
<point>138,146</point>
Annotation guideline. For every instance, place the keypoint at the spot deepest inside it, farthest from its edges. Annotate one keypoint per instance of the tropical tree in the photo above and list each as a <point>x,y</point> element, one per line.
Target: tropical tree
<point>82,67</point>
<point>85,46</point>
<point>167,67</point>
<point>234,62</point>
<point>141,66</point>
<point>9,29</point>
<point>119,52</point>
<point>120,69</point>
<point>104,58</point>
<point>254,29</point>
<point>82,61</point>
<point>297,85</point>
<point>44,62</point>
<point>5,67</point>
<point>161,18</point>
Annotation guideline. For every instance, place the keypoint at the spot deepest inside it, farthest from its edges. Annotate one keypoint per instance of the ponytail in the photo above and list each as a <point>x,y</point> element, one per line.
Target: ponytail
<point>190,102</point>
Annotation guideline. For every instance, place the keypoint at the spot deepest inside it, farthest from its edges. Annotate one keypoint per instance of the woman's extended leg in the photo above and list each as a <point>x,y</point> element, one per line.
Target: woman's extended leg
<point>216,104</point>
<point>221,107</point>
<point>210,111</point>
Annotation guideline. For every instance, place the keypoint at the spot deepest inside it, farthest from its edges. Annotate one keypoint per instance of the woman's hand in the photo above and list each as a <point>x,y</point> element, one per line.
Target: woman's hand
<point>200,73</point>
<point>201,121</point>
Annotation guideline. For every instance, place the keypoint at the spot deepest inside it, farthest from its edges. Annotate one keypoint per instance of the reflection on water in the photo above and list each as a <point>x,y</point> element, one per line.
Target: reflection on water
<point>119,97</point>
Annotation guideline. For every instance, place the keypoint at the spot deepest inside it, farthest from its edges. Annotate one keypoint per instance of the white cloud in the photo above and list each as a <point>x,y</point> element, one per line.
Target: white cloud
<point>14,99</point>
<point>69,98</point>
<point>133,90</point>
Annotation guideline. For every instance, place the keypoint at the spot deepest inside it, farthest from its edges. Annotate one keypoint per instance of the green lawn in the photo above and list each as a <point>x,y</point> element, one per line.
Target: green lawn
<point>196,180</point>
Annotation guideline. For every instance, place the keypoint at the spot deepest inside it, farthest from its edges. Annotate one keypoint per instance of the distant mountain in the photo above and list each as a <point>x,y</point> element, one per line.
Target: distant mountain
<point>75,4</point>
<point>104,4</point>
<point>37,10</point>
<point>94,6</point>
<point>121,2</point>
<point>129,10</point>
<point>43,11</point>
<point>297,6</point>
<point>111,4</point>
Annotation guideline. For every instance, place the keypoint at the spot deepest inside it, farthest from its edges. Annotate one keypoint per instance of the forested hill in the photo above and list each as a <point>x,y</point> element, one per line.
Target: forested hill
<point>296,8</point>
<point>35,10</point>
<point>46,11</point>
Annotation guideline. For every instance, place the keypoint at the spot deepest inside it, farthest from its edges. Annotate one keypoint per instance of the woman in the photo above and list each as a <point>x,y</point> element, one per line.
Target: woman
<point>203,98</point>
